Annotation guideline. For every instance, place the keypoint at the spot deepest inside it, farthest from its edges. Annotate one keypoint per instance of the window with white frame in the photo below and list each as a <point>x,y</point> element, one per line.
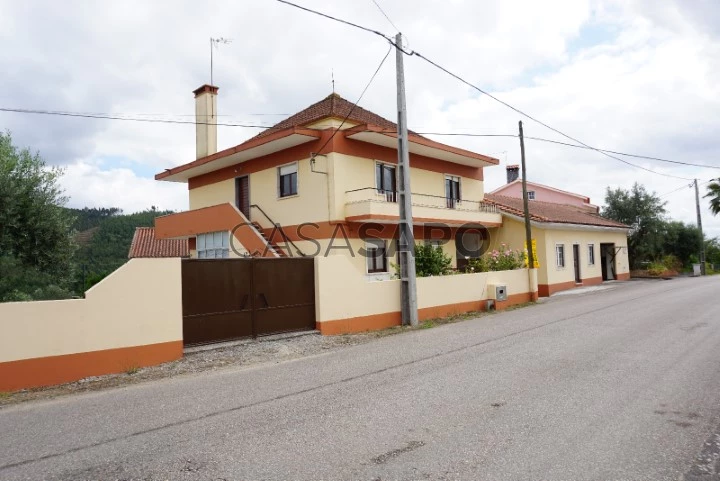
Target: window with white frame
<point>591,254</point>
<point>560,255</point>
<point>376,255</point>
<point>452,191</point>
<point>213,245</point>
<point>288,180</point>
<point>531,195</point>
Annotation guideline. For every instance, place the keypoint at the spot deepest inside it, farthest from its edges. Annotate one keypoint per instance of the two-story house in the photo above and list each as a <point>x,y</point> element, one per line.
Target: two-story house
<point>327,177</point>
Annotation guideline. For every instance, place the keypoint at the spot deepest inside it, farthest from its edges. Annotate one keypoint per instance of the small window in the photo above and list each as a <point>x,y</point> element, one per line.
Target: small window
<point>452,191</point>
<point>213,245</point>
<point>376,260</point>
<point>531,195</point>
<point>287,180</point>
<point>385,181</point>
<point>560,255</point>
<point>591,254</point>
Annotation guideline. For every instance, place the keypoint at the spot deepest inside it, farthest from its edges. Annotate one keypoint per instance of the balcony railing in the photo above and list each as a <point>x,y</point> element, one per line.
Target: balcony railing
<point>372,194</point>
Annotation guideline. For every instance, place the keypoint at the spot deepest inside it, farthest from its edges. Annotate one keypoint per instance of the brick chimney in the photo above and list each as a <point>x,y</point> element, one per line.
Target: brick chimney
<point>205,120</point>
<point>513,172</point>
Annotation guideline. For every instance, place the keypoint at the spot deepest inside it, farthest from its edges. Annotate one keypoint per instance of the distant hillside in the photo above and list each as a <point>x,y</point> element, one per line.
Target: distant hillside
<point>103,237</point>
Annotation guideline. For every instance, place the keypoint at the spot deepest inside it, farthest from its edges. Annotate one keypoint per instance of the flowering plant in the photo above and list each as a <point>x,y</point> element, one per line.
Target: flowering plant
<point>504,259</point>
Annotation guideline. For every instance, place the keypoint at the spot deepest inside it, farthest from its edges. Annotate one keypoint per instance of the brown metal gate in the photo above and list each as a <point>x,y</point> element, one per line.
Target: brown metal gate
<point>225,299</point>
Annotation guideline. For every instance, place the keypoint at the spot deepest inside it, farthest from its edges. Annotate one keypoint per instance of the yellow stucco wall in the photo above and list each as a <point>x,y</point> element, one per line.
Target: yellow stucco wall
<point>213,194</point>
<point>349,298</point>
<point>138,304</point>
<point>513,234</point>
<point>556,275</point>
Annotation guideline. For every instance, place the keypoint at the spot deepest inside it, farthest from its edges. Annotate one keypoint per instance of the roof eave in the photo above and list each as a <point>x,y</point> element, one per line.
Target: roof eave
<point>183,172</point>
<point>420,145</point>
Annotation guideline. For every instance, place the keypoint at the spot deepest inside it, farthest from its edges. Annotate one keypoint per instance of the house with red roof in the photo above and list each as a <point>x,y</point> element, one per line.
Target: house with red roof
<point>323,182</point>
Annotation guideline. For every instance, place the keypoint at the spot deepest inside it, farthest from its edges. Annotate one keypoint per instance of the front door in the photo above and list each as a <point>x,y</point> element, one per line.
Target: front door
<point>242,195</point>
<point>576,263</point>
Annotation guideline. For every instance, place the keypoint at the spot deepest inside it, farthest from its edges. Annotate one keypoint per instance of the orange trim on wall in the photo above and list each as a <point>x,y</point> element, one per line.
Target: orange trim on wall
<point>372,322</point>
<point>426,220</point>
<point>392,319</point>
<point>252,143</point>
<point>51,370</point>
<point>357,230</point>
<point>546,290</point>
<point>358,148</point>
<point>338,144</point>
<point>592,281</point>
<point>623,276</point>
<point>221,217</point>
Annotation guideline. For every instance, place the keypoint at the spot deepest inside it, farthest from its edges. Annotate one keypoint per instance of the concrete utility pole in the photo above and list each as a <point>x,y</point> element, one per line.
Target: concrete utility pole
<point>526,208</point>
<point>406,243</point>
<point>699,222</point>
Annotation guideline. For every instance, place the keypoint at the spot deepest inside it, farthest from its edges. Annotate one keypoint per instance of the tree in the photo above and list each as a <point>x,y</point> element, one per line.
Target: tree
<point>681,240</point>
<point>713,193</point>
<point>645,213</point>
<point>35,230</point>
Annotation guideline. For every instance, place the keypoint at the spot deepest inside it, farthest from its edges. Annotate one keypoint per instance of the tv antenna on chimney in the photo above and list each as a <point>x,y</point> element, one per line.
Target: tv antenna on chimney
<point>214,42</point>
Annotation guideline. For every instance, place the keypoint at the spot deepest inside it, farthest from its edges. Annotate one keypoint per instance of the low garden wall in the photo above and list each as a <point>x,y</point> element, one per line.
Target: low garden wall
<point>133,318</point>
<point>347,301</point>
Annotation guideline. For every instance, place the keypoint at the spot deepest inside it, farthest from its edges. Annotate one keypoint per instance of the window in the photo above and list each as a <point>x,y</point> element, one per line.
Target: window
<point>531,195</point>
<point>560,255</point>
<point>591,254</point>
<point>376,260</point>
<point>287,180</point>
<point>452,191</point>
<point>213,245</point>
<point>385,181</point>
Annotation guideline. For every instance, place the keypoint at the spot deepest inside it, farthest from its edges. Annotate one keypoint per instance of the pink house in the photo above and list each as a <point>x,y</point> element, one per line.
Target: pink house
<point>539,192</point>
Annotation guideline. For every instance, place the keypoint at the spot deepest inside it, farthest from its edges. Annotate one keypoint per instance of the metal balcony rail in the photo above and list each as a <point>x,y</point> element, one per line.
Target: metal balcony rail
<point>372,194</point>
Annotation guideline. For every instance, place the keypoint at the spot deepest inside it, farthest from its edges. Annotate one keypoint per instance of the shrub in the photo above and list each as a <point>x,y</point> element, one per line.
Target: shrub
<point>672,263</point>
<point>505,259</point>
<point>656,269</point>
<point>429,261</point>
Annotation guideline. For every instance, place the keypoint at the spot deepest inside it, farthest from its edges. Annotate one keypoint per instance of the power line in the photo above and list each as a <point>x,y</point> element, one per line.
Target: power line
<point>539,139</point>
<point>475,87</point>
<point>684,186</point>
<point>127,118</point>
<point>382,62</point>
<point>385,15</point>
<point>538,121</point>
<point>130,119</point>
<point>309,10</point>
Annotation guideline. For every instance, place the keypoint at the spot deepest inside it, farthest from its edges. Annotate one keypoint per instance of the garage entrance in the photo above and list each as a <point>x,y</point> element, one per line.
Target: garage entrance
<point>227,299</point>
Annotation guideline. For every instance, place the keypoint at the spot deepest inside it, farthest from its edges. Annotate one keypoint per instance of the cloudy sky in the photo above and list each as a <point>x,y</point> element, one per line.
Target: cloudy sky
<point>636,76</point>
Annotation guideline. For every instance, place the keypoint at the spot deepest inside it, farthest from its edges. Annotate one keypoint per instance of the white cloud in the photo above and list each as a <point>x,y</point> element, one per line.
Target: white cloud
<point>91,186</point>
<point>645,81</point>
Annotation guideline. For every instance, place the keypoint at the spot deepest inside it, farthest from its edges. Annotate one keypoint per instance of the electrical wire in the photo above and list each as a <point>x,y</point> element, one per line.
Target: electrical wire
<point>126,117</point>
<point>484,92</point>
<point>684,186</point>
<point>131,119</point>
<point>382,62</point>
<point>385,15</point>
<point>538,121</point>
<point>309,10</point>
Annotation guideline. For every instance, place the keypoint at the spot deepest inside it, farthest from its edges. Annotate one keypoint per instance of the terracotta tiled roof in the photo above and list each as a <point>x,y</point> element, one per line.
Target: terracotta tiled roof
<point>144,244</point>
<point>331,106</point>
<point>552,212</point>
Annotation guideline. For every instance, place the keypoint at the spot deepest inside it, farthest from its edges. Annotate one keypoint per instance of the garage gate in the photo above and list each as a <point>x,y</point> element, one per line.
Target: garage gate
<point>226,299</point>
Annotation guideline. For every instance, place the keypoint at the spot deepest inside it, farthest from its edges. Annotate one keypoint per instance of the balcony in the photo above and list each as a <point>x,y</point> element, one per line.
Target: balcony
<point>372,205</point>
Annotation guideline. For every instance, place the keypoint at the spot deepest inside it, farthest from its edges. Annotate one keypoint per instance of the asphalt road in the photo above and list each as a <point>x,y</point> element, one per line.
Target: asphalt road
<point>619,384</point>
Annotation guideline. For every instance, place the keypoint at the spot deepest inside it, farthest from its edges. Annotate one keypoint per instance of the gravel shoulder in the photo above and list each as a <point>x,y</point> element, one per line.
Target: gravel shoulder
<point>209,358</point>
